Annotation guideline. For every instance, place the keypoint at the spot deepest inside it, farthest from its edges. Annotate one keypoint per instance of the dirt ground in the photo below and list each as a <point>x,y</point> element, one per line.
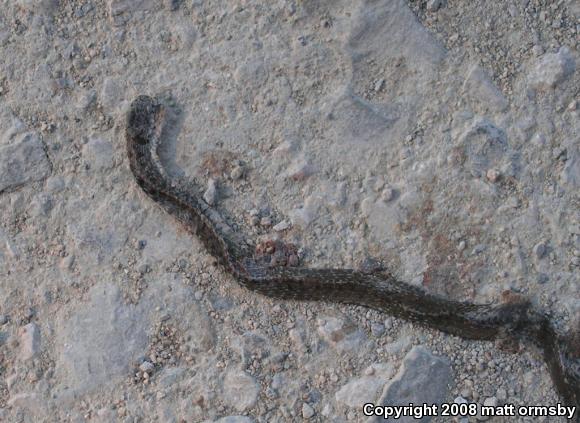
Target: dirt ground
<point>438,137</point>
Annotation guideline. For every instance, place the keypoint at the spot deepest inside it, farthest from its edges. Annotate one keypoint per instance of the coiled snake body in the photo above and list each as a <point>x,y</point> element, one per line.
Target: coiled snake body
<point>518,319</point>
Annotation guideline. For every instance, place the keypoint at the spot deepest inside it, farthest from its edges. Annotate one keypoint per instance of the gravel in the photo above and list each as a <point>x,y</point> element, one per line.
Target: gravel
<point>438,138</point>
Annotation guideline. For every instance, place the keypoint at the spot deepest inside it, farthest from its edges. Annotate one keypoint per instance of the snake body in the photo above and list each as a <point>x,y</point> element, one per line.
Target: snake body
<point>381,291</point>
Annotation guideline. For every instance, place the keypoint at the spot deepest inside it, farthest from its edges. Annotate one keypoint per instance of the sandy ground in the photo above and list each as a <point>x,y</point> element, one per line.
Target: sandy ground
<point>439,137</point>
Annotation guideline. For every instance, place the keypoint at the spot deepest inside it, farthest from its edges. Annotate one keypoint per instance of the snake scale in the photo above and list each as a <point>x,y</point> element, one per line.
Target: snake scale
<point>518,319</point>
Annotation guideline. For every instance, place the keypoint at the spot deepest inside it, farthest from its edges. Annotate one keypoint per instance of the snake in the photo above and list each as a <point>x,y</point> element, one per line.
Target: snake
<point>516,319</point>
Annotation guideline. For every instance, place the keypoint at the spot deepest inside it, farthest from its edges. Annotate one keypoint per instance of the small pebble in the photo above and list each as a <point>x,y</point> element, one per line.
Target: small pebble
<point>493,175</point>
<point>282,226</point>
<point>539,250</point>
<point>146,367</point>
<point>237,173</point>
<point>538,50</point>
<point>388,194</point>
<point>307,411</point>
<point>210,194</point>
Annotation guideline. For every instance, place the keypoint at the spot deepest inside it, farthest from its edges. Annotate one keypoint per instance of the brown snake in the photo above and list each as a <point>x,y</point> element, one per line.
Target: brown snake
<point>517,319</point>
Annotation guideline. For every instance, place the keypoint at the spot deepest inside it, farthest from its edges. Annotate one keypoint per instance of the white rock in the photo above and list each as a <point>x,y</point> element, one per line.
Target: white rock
<point>552,69</point>
<point>111,93</point>
<point>367,205</point>
<point>358,392</point>
<point>240,390</point>
<point>422,378</point>
<point>237,173</point>
<point>23,162</point>
<point>282,226</point>
<point>388,194</point>
<point>307,411</point>
<point>493,175</point>
<point>99,340</point>
<point>67,262</point>
<point>210,194</point>
<point>29,341</point>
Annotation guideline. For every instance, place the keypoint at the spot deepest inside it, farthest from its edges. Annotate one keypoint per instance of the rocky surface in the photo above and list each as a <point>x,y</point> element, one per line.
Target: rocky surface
<point>422,379</point>
<point>23,161</point>
<point>437,137</point>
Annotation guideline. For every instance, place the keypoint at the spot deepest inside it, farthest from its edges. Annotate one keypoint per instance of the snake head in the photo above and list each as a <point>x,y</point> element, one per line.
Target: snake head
<point>141,119</point>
